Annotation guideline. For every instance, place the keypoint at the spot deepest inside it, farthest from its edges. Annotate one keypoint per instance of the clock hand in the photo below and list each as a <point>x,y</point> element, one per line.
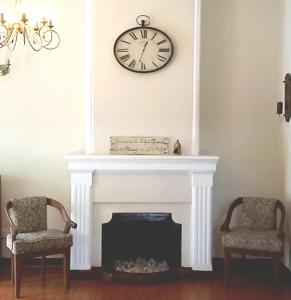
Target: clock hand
<point>143,50</point>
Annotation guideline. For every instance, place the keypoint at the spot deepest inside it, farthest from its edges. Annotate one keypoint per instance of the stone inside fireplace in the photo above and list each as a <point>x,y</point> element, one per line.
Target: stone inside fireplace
<point>141,243</point>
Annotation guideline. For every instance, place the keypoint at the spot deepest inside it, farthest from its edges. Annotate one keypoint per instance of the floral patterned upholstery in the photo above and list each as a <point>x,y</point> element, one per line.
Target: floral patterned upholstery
<point>39,241</point>
<point>30,217</point>
<point>258,213</point>
<point>29,214</point>
<point>244,238</point>
<point>257,227</point>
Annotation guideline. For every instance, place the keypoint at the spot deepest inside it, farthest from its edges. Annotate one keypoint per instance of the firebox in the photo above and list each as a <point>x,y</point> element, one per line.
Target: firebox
<point>148,239</point>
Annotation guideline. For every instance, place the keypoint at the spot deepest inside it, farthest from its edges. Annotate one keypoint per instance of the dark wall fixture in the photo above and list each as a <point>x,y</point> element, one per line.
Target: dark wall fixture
<point>287,102</point>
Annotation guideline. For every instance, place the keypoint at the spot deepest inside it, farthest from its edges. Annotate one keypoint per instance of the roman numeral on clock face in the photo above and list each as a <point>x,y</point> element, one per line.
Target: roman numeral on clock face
<point>132,34</point>
<point>143,66</point>
<point>122,50</point>
<point>164,50</point>
<point>161,42</point>
<point>132,64</point>
<point>162,58</point>
<point>155,64</point>
<point>125,42</point>
<point>124,57</point>
<point>144,33</point>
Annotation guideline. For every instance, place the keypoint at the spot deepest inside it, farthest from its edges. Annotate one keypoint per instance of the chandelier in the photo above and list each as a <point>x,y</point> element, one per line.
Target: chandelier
<point>38,36</point>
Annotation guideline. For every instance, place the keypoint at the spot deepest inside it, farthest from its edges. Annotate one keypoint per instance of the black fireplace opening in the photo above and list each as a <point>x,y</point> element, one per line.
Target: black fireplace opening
<point>145,239</point>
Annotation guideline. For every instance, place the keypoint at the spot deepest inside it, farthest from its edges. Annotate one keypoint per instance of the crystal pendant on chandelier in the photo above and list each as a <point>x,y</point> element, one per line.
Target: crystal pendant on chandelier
<point>41,35</point>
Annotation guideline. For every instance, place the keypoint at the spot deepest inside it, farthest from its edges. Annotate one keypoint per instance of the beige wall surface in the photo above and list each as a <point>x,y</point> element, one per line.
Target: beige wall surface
<point>41,112</point>
<point>154,104</point>
<point>286,130</point>
<point>42,100</point>
<point>240,84</point>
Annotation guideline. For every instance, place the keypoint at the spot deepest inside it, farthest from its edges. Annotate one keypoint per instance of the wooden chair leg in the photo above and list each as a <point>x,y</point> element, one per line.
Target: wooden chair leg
<point>43,267</point>
<point>67,268</point>
<point>17,274</point>
<point>277,268</point>
<point>12,268</point>
<point>227,257</point>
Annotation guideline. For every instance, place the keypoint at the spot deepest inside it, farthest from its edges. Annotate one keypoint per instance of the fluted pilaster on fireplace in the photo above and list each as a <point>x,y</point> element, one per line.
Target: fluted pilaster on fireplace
<point>81,213</point>
<point>201,222</point>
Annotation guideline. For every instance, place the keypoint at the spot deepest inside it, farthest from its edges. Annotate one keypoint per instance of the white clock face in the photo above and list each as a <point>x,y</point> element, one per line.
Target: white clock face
<point>143,49</point>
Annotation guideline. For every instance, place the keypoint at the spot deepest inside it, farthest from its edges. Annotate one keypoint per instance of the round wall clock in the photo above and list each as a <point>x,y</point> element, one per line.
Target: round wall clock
<point>143,49</point>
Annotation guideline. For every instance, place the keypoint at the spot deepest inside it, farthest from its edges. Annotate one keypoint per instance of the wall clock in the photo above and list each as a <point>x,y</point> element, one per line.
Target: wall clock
<point>143,49</point>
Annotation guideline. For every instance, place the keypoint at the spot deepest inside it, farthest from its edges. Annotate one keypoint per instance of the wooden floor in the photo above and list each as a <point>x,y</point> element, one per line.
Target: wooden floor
<point>246,284</point>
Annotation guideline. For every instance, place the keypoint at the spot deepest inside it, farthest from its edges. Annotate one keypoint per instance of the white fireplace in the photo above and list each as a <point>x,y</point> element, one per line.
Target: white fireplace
<point>196,218</point>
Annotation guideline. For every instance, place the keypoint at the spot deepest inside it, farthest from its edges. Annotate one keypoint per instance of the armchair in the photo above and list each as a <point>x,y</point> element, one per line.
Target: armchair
<point>29,236</point>
<point>256,233</point>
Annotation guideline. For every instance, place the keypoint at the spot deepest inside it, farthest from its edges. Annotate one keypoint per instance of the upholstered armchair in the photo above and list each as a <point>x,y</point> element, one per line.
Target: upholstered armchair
<point>30,237</point>
<point>256,233</point>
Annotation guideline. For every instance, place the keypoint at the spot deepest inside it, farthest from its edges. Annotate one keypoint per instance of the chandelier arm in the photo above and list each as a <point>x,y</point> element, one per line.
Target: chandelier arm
<point>6,36</point>
<point>10,39</point>
<point>2,45</point>
<point>2,26</point>
<point>53,33</point>
<point>34,39</point>
<point>13,43</point>
<point>24,33</point>
<point>33,47</point>
<point>43,32</point>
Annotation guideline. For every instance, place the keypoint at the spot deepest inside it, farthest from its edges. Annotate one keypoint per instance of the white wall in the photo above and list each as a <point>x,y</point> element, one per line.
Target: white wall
<point>240,84</point>
<point>286,130</point>
<point>41,113</point>
<point>155,104</point>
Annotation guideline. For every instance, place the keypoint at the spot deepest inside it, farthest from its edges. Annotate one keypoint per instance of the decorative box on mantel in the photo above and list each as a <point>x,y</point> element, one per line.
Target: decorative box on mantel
<point>139,145</point>
<point>200,168</point>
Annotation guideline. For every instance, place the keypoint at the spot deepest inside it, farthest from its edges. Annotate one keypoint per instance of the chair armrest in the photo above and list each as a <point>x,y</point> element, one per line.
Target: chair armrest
<point>279,205</point>
<point>69,223</point>
<point>13,227</point>
<point>234,204</point>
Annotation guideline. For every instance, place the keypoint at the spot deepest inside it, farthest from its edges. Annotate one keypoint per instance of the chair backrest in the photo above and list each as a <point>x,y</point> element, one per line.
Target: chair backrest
<point>259,213</point>
<point>29,214</point>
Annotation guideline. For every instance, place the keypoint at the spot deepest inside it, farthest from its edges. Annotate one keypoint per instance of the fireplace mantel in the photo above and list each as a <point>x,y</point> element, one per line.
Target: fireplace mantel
<point>191,163</point>
<point>201,169</point>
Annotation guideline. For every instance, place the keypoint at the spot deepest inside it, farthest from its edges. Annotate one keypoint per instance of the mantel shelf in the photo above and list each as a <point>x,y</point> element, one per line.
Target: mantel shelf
<point>191,163</point>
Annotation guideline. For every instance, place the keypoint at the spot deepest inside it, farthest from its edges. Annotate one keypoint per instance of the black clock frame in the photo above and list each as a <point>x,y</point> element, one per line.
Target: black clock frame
<point>148,27</point>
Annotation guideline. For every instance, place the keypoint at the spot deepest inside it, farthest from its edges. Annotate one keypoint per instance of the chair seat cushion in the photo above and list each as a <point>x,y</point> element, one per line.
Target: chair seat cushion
<point>39,241</point>
<point>244,238</point>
